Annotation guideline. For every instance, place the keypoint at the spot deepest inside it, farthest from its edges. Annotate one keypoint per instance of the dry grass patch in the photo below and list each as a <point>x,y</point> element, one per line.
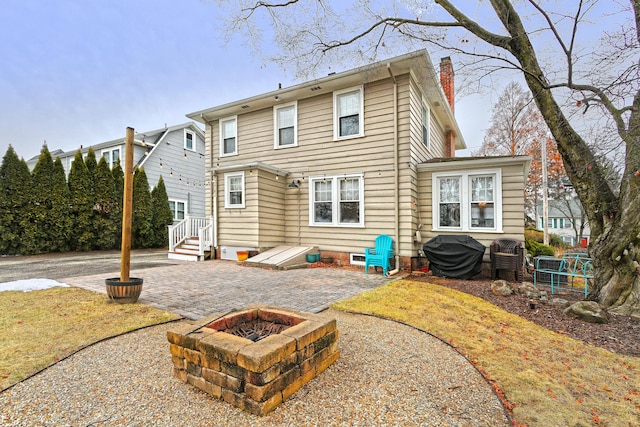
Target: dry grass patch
<point>547,378</point>
<point>40,327</point>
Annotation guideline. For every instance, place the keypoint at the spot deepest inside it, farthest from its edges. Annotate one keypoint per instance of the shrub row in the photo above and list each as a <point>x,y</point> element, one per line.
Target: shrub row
<point>45,211</point>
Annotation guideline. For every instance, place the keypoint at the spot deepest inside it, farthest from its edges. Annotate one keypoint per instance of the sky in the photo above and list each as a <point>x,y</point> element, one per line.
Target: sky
<point>80,72</point>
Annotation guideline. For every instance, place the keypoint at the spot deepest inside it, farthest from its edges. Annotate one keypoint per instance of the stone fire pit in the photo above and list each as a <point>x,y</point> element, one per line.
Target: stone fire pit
<point>255,358</point>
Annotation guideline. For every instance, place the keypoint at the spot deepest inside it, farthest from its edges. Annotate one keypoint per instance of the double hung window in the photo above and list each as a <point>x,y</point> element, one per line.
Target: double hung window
<point>234,190</point>
<point>468,201</point>
<point>337,200</point>
<point>189,143</point>
<point>111,156</point>
<point>348,107</point>
<point>425,123</point>
<point>178,209</point>
<point>285,120</point>
<point>228,136</point>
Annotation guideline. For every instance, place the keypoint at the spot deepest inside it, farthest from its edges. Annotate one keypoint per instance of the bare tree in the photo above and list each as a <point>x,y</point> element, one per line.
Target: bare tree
<point>515,124</point>
<point>552,46</point>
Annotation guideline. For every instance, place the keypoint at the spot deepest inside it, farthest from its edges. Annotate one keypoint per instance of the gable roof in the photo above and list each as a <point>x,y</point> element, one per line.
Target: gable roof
<point>417,62</point>
<point>151,138</point>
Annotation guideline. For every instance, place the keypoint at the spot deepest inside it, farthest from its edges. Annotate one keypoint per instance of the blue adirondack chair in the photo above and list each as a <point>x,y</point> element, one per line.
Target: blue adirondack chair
<point>380,255</point>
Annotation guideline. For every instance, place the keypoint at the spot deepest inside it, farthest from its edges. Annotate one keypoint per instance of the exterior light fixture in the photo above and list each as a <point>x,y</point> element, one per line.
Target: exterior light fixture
<point>294,184</point>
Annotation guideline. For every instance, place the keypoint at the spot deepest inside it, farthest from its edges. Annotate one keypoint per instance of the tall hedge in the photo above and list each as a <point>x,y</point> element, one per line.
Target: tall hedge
<point>38,220</point>
<point>62,225</point>
<point>15,183</point>
<point>46,211</point>
<point>105,213</point>
<point>162,215</point>
<point>142,233</point>
<point>81,198</point>
<point>118,182</point>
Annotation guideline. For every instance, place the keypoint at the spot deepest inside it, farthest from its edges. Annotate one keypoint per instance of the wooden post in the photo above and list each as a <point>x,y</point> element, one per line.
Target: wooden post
<point>127,211</point>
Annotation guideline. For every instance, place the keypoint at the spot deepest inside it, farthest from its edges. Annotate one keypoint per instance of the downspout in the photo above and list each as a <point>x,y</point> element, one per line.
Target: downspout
<point>396,177</point>
<point>214,190</point>
<point>214,200</point>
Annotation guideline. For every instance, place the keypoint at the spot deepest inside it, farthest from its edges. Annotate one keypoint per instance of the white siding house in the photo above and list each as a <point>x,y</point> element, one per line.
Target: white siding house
<point>176,153</point>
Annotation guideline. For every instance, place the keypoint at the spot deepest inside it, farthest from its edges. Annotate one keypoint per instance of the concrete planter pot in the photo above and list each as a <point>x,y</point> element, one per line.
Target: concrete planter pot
<point>124,292</point>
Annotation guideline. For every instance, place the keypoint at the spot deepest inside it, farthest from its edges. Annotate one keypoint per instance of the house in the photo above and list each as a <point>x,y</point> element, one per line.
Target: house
<point>330,164</point>
<point>176,153</point>
<point>567,219</point>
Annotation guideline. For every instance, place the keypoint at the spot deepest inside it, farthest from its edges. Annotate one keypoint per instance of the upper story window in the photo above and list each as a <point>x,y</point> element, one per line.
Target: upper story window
<point>426,123</point>
<point>228,136</point>
<point>189,140</point>
<point>111,156</point>
<point>337,201</point>
<point>348,110</point>
<point>234,190</point>
<point>286,125</point>
<point>469,201</point>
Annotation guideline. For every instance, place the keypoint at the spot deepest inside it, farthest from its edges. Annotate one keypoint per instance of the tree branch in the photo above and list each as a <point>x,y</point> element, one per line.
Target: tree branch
<point>262,4</point>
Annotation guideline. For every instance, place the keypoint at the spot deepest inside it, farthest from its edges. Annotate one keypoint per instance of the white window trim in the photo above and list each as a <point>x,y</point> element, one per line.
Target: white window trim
<point>193,139</point>
<point>221,121</point>
<point>425,105</point>
<point>276,133</point>
<point>174,212</point>
<point>336,119</point>
<point>228,176</point>
<point>465,200</point>
<point>335,200</point>
<point>110,151</point>
<point>360,260</point>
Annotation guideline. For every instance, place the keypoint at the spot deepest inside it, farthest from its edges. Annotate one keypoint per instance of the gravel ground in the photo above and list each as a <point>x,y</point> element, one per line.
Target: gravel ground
<point>388,374</point>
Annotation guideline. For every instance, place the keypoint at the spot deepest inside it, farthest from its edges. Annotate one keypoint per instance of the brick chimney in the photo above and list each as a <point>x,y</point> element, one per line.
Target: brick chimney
<point>446,79</point>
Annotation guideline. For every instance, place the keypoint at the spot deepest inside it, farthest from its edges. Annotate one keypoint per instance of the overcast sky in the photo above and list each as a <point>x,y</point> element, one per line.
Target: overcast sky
<point>80,71</point>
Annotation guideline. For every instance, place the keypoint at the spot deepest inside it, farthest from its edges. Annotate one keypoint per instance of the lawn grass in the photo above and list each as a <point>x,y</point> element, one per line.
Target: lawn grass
<point>548,379</point>
<point>37,328</point>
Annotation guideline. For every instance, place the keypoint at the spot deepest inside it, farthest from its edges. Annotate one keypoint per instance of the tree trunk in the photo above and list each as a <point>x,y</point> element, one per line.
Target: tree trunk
<point>613,217</point>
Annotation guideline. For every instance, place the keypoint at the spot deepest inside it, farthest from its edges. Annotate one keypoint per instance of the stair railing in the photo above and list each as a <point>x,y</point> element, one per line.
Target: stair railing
<point>205,236</point>
<point>177,234</point>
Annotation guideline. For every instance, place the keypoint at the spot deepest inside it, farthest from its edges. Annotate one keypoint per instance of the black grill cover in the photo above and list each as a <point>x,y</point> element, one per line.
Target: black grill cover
<point>454,256</point>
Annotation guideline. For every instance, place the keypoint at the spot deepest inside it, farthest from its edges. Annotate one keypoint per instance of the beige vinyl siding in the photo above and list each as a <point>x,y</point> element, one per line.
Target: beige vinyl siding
<point>271,210</point>
<point>240,224</point>
<point>513,182</point>
<point>436,132</point>
<point>277,211</point>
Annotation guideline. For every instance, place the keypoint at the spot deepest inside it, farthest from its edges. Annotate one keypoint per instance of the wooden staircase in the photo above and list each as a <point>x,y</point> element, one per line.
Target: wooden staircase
<point>189,251</point>
<point>191,239</point>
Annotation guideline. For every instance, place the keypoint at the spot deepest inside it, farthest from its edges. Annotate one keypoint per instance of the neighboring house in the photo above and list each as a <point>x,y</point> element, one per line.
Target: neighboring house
<point>334,162</point>
<point>568,220</point>
<point>175,152</point>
